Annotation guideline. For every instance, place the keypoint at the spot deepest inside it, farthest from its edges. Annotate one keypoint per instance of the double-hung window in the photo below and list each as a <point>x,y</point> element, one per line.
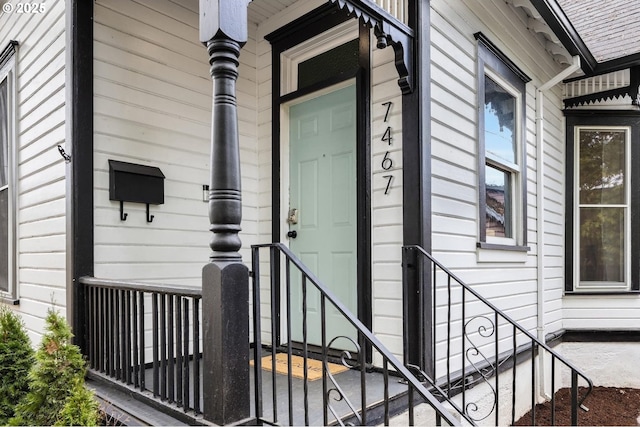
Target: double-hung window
<point>602,203</point>
<point>602,211</point>
<point>501,150</point>
<point>7,178</point>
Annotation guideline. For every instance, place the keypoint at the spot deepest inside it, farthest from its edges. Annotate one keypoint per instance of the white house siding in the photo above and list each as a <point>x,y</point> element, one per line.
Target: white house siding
<point>41,171</point>
<point>601,312</point>
<point>509,280</point>
<point>386,215</point>
<point>152,101</point>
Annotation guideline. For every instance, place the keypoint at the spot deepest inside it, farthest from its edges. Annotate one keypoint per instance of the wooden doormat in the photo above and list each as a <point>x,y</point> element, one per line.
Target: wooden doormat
<point>314,367</point>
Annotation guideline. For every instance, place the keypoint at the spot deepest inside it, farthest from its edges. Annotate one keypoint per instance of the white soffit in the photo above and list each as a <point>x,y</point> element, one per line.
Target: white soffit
<point>537,25</point>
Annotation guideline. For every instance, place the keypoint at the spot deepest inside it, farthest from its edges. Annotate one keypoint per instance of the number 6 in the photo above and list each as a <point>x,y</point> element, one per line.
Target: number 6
<point>387,163</point>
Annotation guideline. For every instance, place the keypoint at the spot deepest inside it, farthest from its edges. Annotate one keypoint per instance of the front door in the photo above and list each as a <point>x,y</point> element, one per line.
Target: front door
<point>322,168</point>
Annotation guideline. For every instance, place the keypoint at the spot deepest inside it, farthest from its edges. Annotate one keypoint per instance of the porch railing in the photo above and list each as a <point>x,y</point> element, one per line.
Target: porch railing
<point>147,337</point>
<point>396,8</point>
<point>298,319</point>
<point>474,341</point>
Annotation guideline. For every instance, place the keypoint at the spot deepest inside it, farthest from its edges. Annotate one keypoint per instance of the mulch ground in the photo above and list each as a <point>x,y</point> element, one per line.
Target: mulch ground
<point>608,406</point>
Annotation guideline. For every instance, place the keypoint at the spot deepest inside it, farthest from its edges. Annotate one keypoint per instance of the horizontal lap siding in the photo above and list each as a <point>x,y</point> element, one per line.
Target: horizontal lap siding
<point>554,215</point>
<point>511,286</point>
<point>153,106</point>
<point>247,92</point>
<point>386,218</point>
<point>41,171</point>
<point>265,181</point>
<point>601,312</point>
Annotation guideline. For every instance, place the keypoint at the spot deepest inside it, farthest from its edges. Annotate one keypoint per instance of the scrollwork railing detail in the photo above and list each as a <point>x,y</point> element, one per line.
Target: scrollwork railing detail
<point>347,361</point>
<point>477,345</point>
<point>483,327</point>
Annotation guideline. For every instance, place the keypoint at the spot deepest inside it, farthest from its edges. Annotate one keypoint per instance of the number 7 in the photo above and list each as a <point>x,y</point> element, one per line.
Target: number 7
<point>389,178</point>
<point>387,104</point>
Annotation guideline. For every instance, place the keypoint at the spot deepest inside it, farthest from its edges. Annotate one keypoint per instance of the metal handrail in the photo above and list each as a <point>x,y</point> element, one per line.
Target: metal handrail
<point>364,333</point>
<point>159,288</point>
<point>535,342</point>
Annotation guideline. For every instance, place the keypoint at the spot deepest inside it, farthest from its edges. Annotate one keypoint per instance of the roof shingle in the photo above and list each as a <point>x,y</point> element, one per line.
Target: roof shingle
<point>609,28</point>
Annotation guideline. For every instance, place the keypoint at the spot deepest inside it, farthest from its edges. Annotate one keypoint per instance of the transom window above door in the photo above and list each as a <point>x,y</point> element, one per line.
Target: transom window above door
<point>320,58</point>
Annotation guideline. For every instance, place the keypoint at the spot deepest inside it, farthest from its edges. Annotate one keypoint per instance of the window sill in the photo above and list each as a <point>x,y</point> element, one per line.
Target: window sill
<point>500,247</point>
<point>497,253</point>
<point>600,293</point>
<point>9,301</point>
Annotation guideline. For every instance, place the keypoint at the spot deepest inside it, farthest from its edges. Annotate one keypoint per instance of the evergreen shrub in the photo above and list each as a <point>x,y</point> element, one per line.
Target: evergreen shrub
<point>57,393</point>
<point>16,359</point>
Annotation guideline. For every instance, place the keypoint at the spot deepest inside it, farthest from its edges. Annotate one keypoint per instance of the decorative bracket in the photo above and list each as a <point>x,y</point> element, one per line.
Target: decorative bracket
<point>632,90</point>
<point>389,31</point>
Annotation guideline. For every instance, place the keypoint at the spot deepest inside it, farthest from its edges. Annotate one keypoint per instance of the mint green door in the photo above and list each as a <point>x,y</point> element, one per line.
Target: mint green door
<point>322,168</point>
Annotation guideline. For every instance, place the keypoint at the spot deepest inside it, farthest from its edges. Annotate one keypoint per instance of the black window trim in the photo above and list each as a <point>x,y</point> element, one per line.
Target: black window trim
<point>10,296</point>
<point>604,118</point>
<point>492,58</point>
<point>7,53</point>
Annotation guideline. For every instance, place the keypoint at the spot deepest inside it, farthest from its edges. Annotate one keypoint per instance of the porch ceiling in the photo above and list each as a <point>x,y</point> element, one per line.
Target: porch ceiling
<point>259,10</point>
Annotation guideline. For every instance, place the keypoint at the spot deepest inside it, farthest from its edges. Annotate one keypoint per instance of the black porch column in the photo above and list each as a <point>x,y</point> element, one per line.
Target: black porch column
<point>416,170</point>
<point>79,173</point>
<point>225,280</point>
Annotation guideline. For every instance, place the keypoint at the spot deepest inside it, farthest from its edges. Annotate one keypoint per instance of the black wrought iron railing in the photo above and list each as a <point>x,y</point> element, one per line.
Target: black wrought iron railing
<point>474,344</point>
<point>303,323</point>
<point>147,337</point>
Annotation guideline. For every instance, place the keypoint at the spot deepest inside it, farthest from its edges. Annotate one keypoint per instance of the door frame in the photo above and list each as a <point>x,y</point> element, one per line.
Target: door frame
<point>295,33</point>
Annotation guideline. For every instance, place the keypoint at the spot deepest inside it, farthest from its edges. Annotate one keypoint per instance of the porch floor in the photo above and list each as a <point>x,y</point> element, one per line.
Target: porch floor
<point>349,381</point>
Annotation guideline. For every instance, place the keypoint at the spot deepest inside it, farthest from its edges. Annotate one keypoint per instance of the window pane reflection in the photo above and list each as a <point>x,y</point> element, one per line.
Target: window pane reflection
<point>602,166</point>
<point>602,244</point>
<point>499,121</point>
<point>498,202</point>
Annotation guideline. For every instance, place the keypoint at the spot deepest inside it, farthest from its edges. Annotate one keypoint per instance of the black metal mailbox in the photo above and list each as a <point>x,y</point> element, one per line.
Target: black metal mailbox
<point>130,182</point>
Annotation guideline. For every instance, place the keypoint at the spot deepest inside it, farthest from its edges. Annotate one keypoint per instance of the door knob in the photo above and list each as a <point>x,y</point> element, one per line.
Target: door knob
<point>292,218</point>
<point>292,234</point>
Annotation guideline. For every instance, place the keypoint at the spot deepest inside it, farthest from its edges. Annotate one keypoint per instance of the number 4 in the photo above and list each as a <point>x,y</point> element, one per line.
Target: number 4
<point>387,135</point>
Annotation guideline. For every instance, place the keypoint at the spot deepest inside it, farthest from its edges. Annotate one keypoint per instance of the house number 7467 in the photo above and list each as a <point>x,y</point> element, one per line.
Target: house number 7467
<point>387,137</point>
